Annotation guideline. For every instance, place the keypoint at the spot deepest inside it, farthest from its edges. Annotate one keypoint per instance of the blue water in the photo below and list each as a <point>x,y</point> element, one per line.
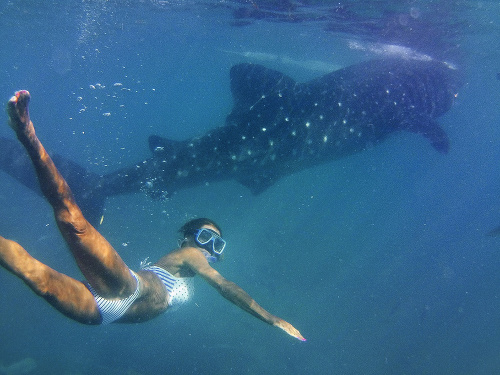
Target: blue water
<point>381,259</point>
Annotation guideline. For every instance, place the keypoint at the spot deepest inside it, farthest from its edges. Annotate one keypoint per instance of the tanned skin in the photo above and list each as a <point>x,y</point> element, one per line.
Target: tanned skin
<point>98,261</point>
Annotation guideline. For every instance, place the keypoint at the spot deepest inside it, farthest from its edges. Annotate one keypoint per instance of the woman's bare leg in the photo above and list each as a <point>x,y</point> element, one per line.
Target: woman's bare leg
<point>66,294</point>
<point>99,262</point>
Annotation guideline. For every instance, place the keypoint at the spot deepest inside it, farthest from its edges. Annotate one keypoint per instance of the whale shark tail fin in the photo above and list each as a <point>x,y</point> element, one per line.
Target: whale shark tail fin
<point>84,184</point>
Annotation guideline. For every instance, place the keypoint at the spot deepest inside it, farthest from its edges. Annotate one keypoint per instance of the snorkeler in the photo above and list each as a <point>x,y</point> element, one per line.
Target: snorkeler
<point>113,292</point>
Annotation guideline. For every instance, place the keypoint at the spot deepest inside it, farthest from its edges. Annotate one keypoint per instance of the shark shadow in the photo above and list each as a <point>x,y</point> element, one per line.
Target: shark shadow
<point>277,127</point>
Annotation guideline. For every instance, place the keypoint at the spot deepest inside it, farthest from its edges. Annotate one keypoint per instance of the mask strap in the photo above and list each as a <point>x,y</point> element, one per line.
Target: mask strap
<point>181,241</point>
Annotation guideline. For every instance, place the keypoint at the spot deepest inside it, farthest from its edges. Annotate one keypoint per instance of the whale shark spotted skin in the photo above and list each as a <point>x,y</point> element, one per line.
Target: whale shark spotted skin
<point>279,126</point>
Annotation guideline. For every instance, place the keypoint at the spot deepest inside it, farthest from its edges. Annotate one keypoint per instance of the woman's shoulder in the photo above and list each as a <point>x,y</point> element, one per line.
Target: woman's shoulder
<point>180,260</point>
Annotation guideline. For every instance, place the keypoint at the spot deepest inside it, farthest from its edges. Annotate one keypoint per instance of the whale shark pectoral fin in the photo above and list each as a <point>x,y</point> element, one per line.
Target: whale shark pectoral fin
<point>494,232</point>
<point>257,184</point>
<point>431,130</point>
<point>439,139</point>
<point>163,146</point>
<point>436,135</point>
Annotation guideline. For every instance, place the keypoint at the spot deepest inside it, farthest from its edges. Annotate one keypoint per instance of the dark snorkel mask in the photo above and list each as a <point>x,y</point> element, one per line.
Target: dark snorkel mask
<point>210,241</point>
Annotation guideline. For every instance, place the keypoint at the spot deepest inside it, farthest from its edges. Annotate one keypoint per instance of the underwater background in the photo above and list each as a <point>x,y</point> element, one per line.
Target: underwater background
<point>381,259</point>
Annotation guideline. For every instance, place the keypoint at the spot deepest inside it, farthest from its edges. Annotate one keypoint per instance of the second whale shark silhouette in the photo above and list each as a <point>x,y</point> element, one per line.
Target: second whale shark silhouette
<point>279,126</point>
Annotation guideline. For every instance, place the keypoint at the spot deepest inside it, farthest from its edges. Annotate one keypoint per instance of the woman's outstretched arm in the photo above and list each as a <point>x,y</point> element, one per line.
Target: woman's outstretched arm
<point>232,292</point>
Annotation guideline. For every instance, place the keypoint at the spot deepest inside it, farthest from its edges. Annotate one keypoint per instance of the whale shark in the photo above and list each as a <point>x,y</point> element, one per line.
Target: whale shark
<point>277,127</point>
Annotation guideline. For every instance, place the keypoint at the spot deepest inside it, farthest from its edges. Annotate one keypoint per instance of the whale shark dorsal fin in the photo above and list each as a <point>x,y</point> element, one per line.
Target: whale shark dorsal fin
<point>250,82</point>
<point>163,146</point>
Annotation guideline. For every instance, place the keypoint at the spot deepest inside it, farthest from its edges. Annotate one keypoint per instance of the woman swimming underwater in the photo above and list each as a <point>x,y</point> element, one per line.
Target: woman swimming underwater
<point>113,292</point>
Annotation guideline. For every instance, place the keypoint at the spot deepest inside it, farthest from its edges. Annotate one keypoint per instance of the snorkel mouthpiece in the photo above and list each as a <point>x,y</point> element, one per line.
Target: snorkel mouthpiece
<point>210,241</point>
<point>211,258</point>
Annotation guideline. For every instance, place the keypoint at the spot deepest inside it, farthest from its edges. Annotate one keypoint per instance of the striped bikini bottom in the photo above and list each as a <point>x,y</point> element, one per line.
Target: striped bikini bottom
<point>112,310</point>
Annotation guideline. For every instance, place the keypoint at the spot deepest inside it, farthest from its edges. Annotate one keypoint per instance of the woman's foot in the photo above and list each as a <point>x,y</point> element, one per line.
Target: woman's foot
<point>19,117</point>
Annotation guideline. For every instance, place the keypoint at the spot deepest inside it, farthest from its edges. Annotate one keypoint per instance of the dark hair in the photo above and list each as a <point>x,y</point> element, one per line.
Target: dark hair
<point>192,226</point>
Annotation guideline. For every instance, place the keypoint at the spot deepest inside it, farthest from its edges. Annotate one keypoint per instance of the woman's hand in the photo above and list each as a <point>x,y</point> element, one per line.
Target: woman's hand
<point>288,328</point>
